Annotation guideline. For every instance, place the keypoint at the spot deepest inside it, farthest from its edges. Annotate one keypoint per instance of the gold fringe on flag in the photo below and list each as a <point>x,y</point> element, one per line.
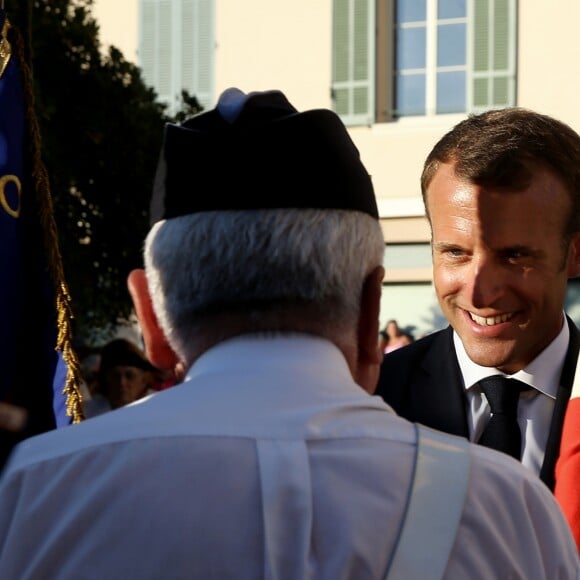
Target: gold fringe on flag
<point>45,207</point>
<point>5,48</point>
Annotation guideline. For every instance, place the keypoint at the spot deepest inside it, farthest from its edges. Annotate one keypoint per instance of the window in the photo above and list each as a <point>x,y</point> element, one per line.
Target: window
<point>396,58</point>
<point>176,48</point>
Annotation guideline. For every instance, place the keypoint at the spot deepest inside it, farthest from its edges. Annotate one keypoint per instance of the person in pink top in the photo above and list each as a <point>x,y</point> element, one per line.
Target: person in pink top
<point>392,337</point>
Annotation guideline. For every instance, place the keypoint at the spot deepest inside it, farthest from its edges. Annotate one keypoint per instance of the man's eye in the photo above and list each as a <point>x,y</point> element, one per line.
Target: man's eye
<point>455,252</point>
<point>514,255</point>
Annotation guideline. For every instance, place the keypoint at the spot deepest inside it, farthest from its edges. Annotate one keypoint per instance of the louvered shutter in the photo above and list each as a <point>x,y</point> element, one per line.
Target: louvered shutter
<point>163,73</point>
<point>147,40</point>
<point>155,50</point>
<point>493,75</point>
<point>197,44</point>
<point>176,49</point>
<point>353,61</point>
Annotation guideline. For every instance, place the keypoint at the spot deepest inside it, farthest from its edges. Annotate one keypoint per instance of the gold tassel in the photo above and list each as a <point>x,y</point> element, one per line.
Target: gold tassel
<point>5,48</point>
<point>63,300</point>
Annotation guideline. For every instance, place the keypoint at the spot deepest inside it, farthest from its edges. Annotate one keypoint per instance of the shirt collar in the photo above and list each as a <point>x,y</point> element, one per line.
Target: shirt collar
<point>543,373</point>
<point>303,352</point>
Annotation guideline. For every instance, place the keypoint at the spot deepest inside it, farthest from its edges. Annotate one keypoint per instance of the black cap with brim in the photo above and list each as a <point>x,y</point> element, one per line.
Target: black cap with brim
<point>122,352</point>
<point>256,151</point>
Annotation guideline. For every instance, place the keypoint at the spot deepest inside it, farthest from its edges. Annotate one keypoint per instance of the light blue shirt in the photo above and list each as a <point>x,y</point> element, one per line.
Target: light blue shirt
<point>267,462</point>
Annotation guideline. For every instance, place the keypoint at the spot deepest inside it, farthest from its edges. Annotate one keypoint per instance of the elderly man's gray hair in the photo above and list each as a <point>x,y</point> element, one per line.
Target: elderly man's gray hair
<point>270,270</point>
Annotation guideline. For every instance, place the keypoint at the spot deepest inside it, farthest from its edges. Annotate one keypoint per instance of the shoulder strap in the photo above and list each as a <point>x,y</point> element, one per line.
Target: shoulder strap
<point>434,507</point>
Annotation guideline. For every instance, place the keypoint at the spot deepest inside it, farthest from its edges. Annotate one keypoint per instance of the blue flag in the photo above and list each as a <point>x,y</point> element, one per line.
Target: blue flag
<point>39,371</point>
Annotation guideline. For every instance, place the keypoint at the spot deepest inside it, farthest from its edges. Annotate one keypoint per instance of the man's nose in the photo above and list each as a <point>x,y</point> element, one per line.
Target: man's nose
<point>486,282</point>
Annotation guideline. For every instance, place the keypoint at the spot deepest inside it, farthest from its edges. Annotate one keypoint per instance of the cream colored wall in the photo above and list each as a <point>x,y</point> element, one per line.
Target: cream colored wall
<point>394,154</point>
<point>118,22</point>
<point>266,44</point>
<point>549,58</point>
<point>262,44</point>
<point>274,44</point>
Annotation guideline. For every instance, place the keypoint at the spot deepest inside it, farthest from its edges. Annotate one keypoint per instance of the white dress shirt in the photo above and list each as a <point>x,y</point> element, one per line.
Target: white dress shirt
<point>267,462</point>
<point>576,385</point>
<point>535,407</point>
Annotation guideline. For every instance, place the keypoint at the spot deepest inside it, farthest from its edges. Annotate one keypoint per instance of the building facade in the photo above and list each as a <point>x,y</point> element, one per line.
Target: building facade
<point>400,73</point>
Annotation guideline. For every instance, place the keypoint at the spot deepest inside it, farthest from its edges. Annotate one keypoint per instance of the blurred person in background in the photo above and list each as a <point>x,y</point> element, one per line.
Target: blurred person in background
<point>392,337</point>
<point>124,376</point>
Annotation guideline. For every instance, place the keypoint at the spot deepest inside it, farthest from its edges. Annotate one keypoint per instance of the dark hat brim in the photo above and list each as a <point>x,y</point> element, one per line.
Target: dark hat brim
<point>296,160</point>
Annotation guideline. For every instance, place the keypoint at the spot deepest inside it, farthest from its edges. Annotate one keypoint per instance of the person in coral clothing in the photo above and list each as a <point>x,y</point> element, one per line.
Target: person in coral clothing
<point>567,490</point>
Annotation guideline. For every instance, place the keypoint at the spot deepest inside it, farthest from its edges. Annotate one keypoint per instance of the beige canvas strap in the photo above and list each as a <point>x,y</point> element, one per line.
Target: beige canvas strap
<point>434,507</point>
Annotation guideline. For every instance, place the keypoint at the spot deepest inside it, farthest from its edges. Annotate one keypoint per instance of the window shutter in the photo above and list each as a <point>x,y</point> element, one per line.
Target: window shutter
<point>176,49</point>
<point>353,60</point>
<point>187,44</point>
<point>164,52</point>
<point>147,40</point>
<point>197,42</point>
<point>493,74</point>
<point>155,50</point>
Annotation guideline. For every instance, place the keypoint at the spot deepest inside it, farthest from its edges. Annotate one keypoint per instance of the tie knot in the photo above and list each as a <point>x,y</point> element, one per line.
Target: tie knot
<point>502,394</point>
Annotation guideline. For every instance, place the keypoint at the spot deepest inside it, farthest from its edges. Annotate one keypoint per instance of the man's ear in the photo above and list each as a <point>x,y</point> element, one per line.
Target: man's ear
<point>369,353</point>
<point>574,257</point>
<point>157,348</point>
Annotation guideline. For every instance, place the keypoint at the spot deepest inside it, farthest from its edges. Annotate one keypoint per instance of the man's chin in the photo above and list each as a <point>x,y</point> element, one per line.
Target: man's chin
<point>504,360</point>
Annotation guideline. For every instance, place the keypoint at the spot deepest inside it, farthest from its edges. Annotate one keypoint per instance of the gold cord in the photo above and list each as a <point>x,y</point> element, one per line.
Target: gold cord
<point>74,407</point>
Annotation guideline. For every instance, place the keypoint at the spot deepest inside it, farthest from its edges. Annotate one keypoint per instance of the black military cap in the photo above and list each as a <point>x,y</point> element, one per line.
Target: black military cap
<point>256,151</point>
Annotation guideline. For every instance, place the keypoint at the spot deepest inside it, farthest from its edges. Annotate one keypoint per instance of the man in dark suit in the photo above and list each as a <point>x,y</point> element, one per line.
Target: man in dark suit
<point>502,195</point>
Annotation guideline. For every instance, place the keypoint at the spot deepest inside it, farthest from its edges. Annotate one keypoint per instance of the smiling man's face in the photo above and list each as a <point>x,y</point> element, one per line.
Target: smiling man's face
<point>500,267</point>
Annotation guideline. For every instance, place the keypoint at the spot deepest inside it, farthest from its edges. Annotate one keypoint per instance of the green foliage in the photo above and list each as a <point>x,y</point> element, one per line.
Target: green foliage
<point>190,106</point>
<point>101,128</point>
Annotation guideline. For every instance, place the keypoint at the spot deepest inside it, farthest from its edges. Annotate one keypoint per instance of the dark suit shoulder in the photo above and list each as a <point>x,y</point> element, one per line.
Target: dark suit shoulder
<point>411,352</point>
<point>399,363</point>
<point>413,368</point>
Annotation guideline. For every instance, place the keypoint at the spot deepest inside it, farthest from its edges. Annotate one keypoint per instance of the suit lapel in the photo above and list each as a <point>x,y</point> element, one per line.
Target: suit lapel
<point>439,401</point>
<point>439,397</point>
<point>562,398</point>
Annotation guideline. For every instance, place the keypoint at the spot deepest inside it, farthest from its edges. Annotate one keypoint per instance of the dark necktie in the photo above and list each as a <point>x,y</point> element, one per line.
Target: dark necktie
<point>502,431</point>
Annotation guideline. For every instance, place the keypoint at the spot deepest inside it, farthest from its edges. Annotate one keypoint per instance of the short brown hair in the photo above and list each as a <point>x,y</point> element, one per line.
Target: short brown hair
<point>500,148</point>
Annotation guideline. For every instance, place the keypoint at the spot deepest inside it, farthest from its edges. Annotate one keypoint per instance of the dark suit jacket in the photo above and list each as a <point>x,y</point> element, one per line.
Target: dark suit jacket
<point>423,383</point>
